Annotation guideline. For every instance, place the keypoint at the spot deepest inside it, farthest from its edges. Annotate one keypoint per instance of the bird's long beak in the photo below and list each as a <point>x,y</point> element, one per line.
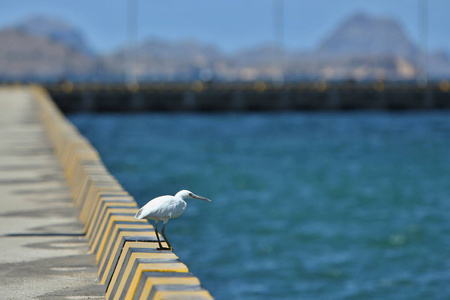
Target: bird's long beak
<point>200,197</point>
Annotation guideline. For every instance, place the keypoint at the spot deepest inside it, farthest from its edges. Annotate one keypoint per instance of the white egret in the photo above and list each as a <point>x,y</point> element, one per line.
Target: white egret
<point>163,208</point>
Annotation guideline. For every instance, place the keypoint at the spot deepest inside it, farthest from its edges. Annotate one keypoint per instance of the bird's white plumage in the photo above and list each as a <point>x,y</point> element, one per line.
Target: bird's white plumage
<point>164,208</point>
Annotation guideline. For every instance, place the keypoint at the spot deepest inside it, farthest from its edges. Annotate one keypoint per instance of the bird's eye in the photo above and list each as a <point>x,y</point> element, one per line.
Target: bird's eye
<point>190,194</point>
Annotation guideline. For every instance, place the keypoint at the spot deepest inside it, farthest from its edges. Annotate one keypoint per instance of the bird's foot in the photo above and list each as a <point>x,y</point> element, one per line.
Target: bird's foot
<point>165,248</point>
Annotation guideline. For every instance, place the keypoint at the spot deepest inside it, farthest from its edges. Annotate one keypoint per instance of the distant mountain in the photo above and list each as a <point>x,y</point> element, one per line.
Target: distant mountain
<point>362,47</point>
<point>362,34</point>
<point>362,38</point>
<point>56,30</point>
<point>24,56</point>
<point>163,59</point>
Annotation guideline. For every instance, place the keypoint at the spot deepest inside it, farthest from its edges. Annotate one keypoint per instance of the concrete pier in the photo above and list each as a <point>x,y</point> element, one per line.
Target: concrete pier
<point>44,254</point>
<point>67,226</point>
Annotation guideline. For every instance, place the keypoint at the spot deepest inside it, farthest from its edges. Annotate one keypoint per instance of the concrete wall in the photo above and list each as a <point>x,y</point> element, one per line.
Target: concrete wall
<point>129,265</point>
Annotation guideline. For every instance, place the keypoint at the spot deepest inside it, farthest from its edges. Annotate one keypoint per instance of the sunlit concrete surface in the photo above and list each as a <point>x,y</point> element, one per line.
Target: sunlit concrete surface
<point>43,252</point>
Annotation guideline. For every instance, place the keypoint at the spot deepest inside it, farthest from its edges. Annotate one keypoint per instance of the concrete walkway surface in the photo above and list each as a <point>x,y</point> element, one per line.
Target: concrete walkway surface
<point>44,254</point>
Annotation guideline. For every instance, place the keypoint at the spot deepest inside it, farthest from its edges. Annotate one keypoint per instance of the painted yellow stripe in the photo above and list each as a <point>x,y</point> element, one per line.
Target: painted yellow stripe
<point>90,200</point>
<point>146,267</point>
<point>83,181</point>
<point>178,295</point>
<point>120,262</point>
<point>151,281</point>
<point>98,237</point>
<point>70,154</point>
<point>94,198</point>
<point>78,161</point>
<point>94,194</point>
<point>96,224</point>
<point>115,250</point>
<point>92,215</point>
<point>133,257</point>
<point>91,186</point>
<point>90,210</point>
<point>148,233</point>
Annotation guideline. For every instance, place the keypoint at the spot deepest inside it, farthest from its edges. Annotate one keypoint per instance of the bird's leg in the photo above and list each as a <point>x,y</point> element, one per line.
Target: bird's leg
<point>165,238</point>
<point>157,236</point>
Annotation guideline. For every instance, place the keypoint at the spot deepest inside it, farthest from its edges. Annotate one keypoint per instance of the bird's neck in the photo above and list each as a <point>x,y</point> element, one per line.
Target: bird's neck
<point>180,198</point>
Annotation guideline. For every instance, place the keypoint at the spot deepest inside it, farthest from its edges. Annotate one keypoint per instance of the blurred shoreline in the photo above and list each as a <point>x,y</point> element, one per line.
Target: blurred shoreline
<point>362,47</point>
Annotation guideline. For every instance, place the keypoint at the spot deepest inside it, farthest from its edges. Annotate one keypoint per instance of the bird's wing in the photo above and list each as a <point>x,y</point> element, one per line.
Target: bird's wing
<point>154,208</point>
<point>140,214</point>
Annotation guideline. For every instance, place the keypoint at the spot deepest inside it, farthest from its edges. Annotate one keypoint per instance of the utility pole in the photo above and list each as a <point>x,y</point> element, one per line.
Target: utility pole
<point>278,40</point>
<point>422,78</point>
<point>132,49</point>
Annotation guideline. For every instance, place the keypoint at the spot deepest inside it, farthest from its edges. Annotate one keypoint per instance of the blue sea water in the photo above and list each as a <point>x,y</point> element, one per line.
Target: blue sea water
<point>348,205</point>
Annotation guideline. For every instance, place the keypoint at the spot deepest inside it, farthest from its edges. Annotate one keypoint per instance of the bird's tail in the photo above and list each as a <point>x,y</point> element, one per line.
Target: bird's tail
<point>139,214</point>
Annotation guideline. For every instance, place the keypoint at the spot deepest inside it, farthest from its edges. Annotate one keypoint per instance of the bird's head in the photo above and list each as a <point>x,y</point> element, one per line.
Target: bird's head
<point>184,194</point>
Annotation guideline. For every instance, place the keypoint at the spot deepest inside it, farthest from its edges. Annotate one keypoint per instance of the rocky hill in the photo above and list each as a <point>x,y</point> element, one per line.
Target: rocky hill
<point>364,35</point>
<point>29,57</point>
<point>56,30</point>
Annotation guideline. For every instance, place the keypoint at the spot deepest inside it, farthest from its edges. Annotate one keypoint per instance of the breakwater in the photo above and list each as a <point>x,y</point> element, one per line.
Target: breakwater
<point>129,265</point>
<point>258,96</point>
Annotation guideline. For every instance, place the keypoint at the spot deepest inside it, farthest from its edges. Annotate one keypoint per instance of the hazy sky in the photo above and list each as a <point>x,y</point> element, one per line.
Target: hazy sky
<point>231,24</point>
